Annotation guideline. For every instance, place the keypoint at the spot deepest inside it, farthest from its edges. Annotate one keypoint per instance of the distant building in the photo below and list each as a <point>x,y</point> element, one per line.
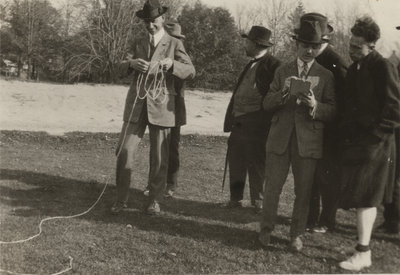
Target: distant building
<point>8,68</point>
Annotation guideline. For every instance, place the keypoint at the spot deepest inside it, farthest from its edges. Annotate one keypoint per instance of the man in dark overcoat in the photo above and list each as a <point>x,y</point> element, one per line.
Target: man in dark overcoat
<point>391,212</point>
<point>326,185</point>
<point>248,122</point>
<point>371,115</point>
<point>296,134</point>
<point>154,55</point>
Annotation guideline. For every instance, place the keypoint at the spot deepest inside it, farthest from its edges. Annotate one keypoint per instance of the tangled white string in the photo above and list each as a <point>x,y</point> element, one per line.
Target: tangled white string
<point>157,86</point>
<point>154,90</point>
<point>58,273</point>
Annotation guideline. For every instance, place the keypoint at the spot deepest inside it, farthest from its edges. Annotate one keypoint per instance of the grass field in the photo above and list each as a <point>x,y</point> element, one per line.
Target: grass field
<point>44,176</point>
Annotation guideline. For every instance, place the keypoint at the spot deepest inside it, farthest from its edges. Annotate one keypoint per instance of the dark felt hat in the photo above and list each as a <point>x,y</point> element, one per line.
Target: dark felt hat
<point>259,35</point>
<point>398,27</point>
<point>323,22</point>
<point>151,10</point>
<point>174,29</point>
<point>310,32</point>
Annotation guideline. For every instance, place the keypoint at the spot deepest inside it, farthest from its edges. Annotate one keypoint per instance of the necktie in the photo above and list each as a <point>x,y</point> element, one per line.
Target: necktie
<point>151,46</point>
<point>304,72</point>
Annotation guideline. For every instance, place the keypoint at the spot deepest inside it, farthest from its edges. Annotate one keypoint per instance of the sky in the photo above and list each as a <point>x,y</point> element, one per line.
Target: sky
<point>385,12</point>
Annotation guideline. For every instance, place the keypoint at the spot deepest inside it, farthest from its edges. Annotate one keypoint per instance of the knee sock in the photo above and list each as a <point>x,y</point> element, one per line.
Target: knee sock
<point>362,248</point>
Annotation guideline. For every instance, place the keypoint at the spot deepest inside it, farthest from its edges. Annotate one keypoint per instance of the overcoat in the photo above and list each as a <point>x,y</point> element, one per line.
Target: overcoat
<point>372,112</point>
<point>162,110</point>
<point>289,116</point>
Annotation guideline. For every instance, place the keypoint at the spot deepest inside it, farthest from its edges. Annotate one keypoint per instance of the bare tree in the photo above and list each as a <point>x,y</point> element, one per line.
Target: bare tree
<point>103,40</point>
<point>272,14</point>
<point>106,33</point>
<point>342,21</point>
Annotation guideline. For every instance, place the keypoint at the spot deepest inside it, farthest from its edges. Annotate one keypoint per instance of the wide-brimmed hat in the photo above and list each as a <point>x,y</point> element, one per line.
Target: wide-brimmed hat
<point>323,22</point>
<point>151,10</point>
<point>259,35</point>
<point>174,29</point>
<point>310,32</point>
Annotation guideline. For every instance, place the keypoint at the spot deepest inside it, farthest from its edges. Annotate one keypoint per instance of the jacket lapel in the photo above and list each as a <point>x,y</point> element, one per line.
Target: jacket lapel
<point>292,70</point>
<point>143,48</point>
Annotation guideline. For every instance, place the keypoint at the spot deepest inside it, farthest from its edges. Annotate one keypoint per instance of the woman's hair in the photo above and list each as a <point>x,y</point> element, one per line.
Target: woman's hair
<point>367,28</point>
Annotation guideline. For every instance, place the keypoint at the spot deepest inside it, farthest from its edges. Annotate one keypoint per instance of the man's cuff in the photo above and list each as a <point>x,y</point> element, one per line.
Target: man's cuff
<point>313,110</point>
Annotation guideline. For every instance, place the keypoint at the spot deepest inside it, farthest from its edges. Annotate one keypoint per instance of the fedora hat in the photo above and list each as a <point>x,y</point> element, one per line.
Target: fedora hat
<point>151,10</point>
<point>310,32</point>
<point>323,22</point>
<point>259,35</point>
<point>174,29</point>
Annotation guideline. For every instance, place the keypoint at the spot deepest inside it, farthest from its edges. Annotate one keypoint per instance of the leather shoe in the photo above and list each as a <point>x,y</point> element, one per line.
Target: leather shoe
<point>153,208</point>
<point>258,206</point>
<point>320,229</point>
<point>169,194</point>
<point>358,261</point>
<point>264,238</point>
<point>296,244</point>
<point>118,207</point>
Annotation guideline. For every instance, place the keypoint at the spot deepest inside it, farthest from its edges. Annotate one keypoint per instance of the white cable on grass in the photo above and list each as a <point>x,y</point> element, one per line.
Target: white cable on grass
<point>58,273</point>
<point>159,86</point>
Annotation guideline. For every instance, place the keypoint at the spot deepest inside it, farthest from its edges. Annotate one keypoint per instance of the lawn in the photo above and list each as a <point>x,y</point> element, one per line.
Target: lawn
<point>43,176</point>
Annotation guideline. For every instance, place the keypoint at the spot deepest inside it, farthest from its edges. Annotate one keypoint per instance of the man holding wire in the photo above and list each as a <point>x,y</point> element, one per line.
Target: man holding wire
<point>157,60</point>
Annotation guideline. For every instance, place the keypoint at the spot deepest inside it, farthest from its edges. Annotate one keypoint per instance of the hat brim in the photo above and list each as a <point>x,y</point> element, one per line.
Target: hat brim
<point>141,14</point>
<point>179,36</point>
<point>259,42</point>
<point>330,30</point>
<point>323,40</point>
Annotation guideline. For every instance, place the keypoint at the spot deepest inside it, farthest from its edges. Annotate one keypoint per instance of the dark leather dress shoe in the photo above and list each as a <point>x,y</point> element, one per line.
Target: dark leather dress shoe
<point>153,208</point>
<point>296,244</point>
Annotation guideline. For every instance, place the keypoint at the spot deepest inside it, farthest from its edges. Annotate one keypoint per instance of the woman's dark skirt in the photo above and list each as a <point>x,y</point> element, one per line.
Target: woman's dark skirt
<point>368,170</point>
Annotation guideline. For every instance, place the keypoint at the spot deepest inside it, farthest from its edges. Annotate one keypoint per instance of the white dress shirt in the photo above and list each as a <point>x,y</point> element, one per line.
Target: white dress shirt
<point>157,36</point>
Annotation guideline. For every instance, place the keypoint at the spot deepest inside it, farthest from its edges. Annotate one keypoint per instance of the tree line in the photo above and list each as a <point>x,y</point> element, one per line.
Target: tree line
<point>85,40</point>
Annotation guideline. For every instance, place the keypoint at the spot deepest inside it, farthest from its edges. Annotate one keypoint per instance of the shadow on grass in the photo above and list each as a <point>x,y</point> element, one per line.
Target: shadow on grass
<point>37,194</point>
<point>351,231</point>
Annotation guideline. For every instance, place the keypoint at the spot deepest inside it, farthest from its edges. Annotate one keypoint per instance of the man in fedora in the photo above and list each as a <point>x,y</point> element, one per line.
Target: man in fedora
<point>248,122</point>
<point>296,133</point>
<point>326,185</point>
<point>155,51</point>
<point>174,29</point>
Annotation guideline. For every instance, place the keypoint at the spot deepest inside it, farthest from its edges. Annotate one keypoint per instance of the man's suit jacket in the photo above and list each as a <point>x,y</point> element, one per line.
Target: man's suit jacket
<point>264,75</point>
<point>290,116</point>
<point>180,107</point>
<point>161,111</point>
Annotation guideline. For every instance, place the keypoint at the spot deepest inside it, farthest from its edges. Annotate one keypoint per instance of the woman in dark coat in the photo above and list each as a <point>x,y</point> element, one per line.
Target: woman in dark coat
<point>371,113</point>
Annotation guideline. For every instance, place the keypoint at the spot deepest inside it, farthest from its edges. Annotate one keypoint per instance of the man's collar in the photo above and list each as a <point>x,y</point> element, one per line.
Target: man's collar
<point>157,36</point>
<point>300,63</point>
<point>258,57</point>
